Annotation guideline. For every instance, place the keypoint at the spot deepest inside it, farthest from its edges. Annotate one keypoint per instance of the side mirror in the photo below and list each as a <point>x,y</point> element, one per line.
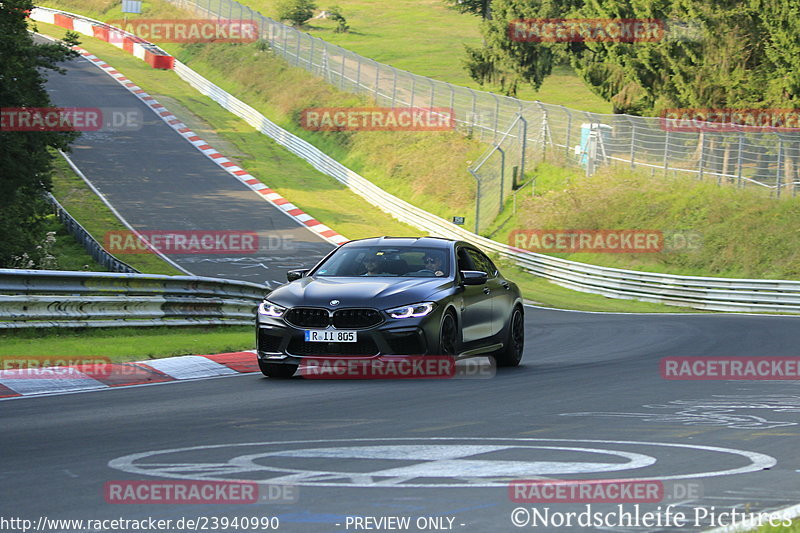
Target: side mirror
<point>296,274</point>
<point>474,277</point>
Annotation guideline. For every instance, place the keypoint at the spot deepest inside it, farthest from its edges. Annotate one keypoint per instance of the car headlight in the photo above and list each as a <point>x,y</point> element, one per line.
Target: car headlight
<point>412,311</point>
<point>270,309</point>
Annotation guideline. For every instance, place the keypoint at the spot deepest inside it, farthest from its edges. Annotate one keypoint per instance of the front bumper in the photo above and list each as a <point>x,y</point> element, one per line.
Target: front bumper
<point>277,341</point>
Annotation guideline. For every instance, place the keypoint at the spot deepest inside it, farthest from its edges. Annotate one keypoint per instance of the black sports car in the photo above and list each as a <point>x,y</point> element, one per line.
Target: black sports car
<point>392,296</point>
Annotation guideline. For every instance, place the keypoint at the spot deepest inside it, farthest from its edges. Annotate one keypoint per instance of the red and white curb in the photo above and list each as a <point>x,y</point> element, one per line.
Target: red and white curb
<point>78,378</point>
<point>226,164</point>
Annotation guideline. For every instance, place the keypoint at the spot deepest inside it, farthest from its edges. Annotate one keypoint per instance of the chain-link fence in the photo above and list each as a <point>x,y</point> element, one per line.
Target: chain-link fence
<point>770,160</point>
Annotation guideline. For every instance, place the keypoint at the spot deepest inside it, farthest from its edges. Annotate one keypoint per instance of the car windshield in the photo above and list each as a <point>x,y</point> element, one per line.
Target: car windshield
<point>382,261</point>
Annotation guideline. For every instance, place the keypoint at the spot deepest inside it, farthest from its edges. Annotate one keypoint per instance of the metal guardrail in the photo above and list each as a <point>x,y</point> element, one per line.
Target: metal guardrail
<point>50,298</point>
<point>708,293</point>
<point>85,239</point>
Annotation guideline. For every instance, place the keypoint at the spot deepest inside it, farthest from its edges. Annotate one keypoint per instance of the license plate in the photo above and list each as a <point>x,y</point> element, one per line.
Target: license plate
<point>329,335</point>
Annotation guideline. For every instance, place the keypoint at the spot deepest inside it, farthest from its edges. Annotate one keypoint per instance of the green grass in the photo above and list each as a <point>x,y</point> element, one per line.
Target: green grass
<point>426,38</point>
<point>69,255</point>
<point>793,528</point>
<point>743,233</point>
<point>127,343</point>
<point>87,208</point>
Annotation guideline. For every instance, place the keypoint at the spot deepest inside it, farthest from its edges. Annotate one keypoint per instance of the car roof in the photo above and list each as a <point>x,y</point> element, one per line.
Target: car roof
<point>428,242</point>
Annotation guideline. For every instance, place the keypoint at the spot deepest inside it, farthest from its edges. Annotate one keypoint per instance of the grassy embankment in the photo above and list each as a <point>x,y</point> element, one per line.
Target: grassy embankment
<point>276,93</point>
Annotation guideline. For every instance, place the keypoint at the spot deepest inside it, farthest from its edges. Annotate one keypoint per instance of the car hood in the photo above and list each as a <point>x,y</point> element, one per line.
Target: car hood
<point>381,293</point>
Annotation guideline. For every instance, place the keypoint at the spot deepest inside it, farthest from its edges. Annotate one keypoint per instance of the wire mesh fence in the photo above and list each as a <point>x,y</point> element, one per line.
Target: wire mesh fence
<point>735,156</point>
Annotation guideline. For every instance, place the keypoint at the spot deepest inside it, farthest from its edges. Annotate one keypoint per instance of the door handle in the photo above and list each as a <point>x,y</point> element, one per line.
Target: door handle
<point>486,290</point>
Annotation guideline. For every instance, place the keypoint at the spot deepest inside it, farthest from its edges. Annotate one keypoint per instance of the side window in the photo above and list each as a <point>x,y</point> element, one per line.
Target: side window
<point>482,262</point>
<point>464,261</point>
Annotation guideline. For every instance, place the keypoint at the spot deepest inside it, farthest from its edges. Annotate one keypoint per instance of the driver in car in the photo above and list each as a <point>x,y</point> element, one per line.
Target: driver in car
<point>432,264</point>
<point>372,265</point>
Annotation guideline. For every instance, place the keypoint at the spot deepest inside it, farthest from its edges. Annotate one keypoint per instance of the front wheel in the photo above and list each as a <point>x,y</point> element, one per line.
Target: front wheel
<point>511,354</point>
<point>448,335</point>
<point>276,370</point>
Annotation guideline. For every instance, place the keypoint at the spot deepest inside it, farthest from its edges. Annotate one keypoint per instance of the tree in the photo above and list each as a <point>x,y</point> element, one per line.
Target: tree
<point>335,13</point>
<point>25,156</point>
<point>508,62</point>
<point>297,12</point>
<point>745,54</point>
<point>483,8</point>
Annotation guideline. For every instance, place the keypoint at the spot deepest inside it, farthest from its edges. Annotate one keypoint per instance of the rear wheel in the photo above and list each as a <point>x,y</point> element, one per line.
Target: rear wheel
<point>448,335</point>
<point>276,370</point>
<point>511,354</point>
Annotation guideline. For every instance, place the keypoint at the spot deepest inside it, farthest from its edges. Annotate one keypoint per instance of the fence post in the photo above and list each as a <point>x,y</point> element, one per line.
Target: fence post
<point>739,182</point>
<point>778,169</point>
<point>358,76</point>
<point>452,99</point>
<point>523,147</point>
<point>377,80</point>
<point>413,89</point>
<point>496,116</point>
<point>394,88</point>
<point>633,141</point>
<point>311,59</point>
<point>297,51</point>
<point>433,93</point>
<point>544,130</point>
<point>666,153</point>
<point>569,132</point>
<point>502,176</point>
<point>474,108</point>
<point>702,154</point>
<point>477,198</point>
<point>341,72</point>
